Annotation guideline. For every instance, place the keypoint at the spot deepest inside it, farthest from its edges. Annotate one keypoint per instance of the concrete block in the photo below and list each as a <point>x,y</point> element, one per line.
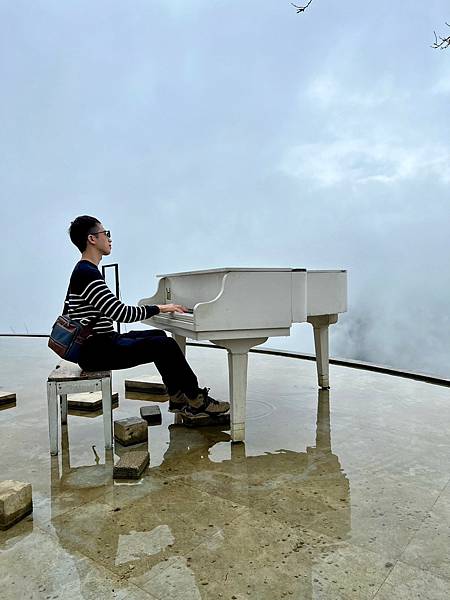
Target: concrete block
<point>15,502</point>
<point>222,420</point>
<point>7,398</point>
<point>152,414</point>
<point>131,465</point>
<point>89,401</point>
<point>131,431</point>
<point>120,450</point>
<point>150,385</point>
<point>146,396</point>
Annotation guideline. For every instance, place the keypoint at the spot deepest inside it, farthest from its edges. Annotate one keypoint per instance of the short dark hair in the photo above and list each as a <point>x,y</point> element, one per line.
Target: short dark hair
<point>79,230</point>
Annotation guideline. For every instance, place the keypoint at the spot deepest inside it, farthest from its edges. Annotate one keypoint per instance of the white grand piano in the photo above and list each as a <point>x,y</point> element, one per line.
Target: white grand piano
<point>240,308</point>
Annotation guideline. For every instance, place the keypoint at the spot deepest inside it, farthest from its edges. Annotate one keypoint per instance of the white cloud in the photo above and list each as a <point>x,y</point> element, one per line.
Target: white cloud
<point>327,91</point>
<point>359,161</point>
<point>364,137</point>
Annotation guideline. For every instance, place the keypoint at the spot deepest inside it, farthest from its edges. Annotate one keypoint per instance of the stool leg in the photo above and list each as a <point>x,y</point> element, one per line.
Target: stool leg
<point>52,400</point>
<point>63,408</point>
<point>107,410</point>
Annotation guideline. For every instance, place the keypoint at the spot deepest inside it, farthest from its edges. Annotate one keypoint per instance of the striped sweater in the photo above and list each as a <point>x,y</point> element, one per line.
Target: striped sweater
<point>90,297</point>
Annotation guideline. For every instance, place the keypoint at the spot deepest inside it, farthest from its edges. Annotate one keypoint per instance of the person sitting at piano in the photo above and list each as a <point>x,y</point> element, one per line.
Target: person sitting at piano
<point>90,298</point>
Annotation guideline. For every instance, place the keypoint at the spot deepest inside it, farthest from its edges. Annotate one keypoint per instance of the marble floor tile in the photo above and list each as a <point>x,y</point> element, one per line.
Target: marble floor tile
<point>381,514</point>
<point>256,556</point>
<point>430,547</point>
<point>378,452</point>
<point>127,542</point>
<point>37,567</point>
<point>410,583</point>
<point>171,518</point>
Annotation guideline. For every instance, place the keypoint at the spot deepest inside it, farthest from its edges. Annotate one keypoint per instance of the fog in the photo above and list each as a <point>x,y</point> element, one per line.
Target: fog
<point>212,134</point>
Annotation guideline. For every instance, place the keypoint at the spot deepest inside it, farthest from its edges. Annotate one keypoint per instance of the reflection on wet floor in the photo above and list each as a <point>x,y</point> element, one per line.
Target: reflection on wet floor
<point>190,503</point>
<point>332,496</point>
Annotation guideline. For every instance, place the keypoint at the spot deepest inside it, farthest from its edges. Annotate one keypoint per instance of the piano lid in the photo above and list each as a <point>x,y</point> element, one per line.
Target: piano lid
<point>228,270</point>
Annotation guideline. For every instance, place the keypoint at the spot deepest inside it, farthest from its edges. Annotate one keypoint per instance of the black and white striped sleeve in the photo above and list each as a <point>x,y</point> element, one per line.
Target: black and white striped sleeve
<point>98,295</point>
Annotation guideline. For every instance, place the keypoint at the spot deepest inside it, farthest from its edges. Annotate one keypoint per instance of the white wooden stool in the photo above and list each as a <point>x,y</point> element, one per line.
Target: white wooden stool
<point>68,378</point>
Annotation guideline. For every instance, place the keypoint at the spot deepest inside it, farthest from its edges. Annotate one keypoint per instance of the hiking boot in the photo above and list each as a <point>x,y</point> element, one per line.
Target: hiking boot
<point>203,405</point>
<point>177,402</point>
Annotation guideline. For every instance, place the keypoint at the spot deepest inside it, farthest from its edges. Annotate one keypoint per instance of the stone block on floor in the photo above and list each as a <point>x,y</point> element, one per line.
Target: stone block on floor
<point>146,397</point>
<point>15,502</point>
<point>152,414</point>
<point>89,401</point>
<point>131,431</point>
<point>120,450</point>
<point>131,465</point>
<point>7,398</point>
<point>149,385</point>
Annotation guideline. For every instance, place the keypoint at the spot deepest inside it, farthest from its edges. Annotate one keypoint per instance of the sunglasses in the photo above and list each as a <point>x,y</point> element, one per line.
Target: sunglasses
<point>105,231</point>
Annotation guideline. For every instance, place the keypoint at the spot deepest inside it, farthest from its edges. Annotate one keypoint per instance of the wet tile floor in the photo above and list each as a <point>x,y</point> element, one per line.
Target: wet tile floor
<point>334,495</point>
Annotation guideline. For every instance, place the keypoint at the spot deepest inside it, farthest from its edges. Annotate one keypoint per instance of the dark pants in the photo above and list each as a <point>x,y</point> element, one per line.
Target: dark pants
<point>111,351</point>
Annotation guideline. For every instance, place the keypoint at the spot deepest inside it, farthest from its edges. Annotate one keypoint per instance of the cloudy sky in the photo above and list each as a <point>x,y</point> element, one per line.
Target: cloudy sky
<point>229,133</point>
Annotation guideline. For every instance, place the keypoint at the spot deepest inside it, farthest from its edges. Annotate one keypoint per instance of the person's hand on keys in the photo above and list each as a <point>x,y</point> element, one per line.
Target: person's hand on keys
<point>166,308</point>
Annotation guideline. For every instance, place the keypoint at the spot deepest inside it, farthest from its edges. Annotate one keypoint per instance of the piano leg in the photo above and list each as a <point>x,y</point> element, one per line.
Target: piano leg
<point>237,371</point>
<point>181,341</point>
<point>320,325</point>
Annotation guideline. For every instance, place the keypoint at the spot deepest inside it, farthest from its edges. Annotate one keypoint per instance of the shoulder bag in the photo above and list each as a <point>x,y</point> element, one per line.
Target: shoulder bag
<point>67,336</point>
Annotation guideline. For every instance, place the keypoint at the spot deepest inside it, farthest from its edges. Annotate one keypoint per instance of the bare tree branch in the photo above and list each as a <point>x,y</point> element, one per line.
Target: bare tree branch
<point>301,8</point>
<point>443,43</point>
<point>439,42</point>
